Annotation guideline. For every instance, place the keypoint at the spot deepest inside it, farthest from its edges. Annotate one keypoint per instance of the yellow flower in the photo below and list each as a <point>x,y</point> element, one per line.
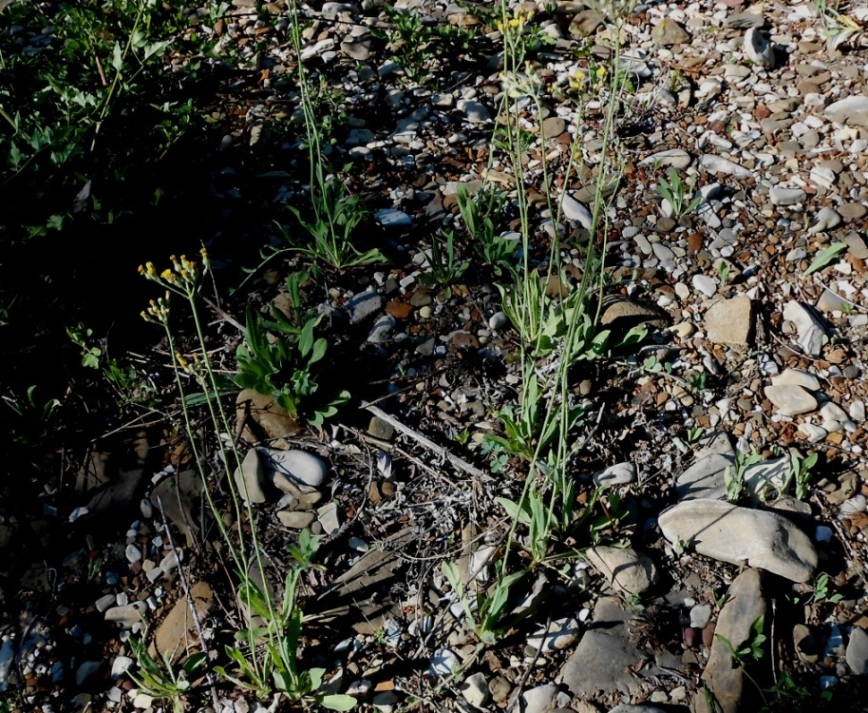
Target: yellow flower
<point>167,275</point>
<point>601,72</point>
<point>182,362</point>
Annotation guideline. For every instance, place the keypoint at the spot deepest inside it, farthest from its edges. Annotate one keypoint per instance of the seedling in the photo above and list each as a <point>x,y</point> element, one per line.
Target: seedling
<point>821,591</point>
<point>676,192</point>
<point>800,472</point>
<point>825,257</point>
<point>749,650</point>
<point>733,476</point>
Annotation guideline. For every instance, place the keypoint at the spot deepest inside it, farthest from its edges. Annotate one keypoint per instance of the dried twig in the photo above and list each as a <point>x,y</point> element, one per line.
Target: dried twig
<point>459,463</point>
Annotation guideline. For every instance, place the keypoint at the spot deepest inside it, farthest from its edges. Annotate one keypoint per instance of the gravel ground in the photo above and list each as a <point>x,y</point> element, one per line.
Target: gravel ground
<point>755,349</point>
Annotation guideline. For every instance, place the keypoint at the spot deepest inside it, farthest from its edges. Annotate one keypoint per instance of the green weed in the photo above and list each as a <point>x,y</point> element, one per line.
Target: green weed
<point>677,193</point>
<point>159,679</point>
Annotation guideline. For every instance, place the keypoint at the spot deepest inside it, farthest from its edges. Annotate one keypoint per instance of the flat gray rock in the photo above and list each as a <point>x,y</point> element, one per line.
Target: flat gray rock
<point>791,399</point>
<point>677,158</point>
<point>625,569</point>
<point>705,478</point>
<point>857,652</point>
<point>719,164</point>
<point>779,195</point>
<point>758,48</point>
<point>740,536</point>
<point>618,474</point>
<point>363,306</point>
<point>300,466</point>
<point>605,655</point>
<point>744,605</point>
<point>852,111</point>
<point>810,330</point>
<point>788,377</point>
<point>249,478</point>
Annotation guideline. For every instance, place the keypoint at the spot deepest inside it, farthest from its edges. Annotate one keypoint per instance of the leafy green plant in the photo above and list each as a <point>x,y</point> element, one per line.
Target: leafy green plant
<point>485,613</point>
<point>677,193</point>
<point>159,679</point>
<point>749,650</point>
<point>821,591</point>
<point>443,265</point>
<point>476,211</point>
<point>733,476</point>
<point>281,359</point>
<point>801,473</point>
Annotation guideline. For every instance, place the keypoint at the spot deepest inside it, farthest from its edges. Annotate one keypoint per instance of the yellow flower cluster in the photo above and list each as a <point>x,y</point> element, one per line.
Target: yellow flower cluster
<point>520,17</point>
<point>579,79</point>
<point>158,310</point>
<point>181,277</point>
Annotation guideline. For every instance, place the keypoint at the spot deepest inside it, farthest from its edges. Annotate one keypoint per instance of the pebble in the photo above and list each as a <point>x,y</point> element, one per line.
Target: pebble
<point>826,219</point>
<point>364,306</point>
<point>718,164</point>
<point>700,615</point>
<point>677,158</point>
<point>759,49</point>
<point>296,519</point>
<point>539,698</point>
<point>618,474</point>
<point>300,466</point>
<point>781,196</point>
<point>85,671</point>
<point>797,377</point>
<point>560,635</point>
<point>250,478</point>
<point>444,663</point>
<point>705,285</point>
<point>791,399</point>
<point>731,321</point>
<point>810,330</point>
<point>328,517</point>
<point>625,569</point>
<point>475,691</point>
<point>851,111</point>
<point>576,212</point>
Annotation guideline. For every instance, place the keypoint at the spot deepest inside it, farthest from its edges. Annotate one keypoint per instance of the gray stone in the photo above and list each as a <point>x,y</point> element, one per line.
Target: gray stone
<point>250,478</point>
<point>328,517</point>
<point>393,219</point>
<point>560,634</point>
<point>627,708</point>
<point>744,605</point>
<point>605,656</point>
<point>669,33</point>
<point>476,112</point>
<point>259,418</point>
<point>705,285</point>
<point>625,569</point>
<point>382,330</point>
<point>126,616</point>
<point>852,111</point>
<point>700,615</point>
<point>475,690</point>
<point>766,479</point>
<point>618,474</point>
<point>705,479</point>
<point>296,519</point>
<point>576,212</point>
<point>779,195</point>
<point>364,306</point>
<point>621,314</point>
<point>741,536</point>
<point>85,671</point>
<point>758,48</point>
<point>745,20</point>
<point>791,399</point>
<point>539,699</point>
<point>358,46</point>
<point>810,330</point>
<point>300,466</point>
<point>856,245</point>
<point>857,652</point>
<point>796,377</point>
<point>719,164</point>
<point>677,158</point>
<point>444,663</point>
<point>826,219</point>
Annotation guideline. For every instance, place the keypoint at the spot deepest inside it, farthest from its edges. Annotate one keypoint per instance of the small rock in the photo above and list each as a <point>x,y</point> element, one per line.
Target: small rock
<point>738,535</point>
<point>826,219</point>
<point>606,656</point>
<point>781,196</point>
<point>475,690</point>
<point>700,615</point>
<point>809,328</point>
<point>328,518</point>
<point>444,663</point>
<point>120,666</point>
<point>718,164</point>
<point>857,652</point>
<point>796,377</point>
<point>539,699</point>
<point>626,570</point>
<point>805,645</point>
<point>705,479</point>
<point>560,635</point>
<point>382,329</point>
<point>393,219</point>
<point>358,47</point>
<point>791,399</point>
<point>385,701</point>
<point>618,474</point>
<point>300,466</point>
<point>126,616</point>
<point>250,477</point>
<point>296,519</point>
<point>852,111</point>
<point>259,418</point>
<point>705,285</point>
<point>364,306</point>
<point>677,158</point>
<point>576,212</point>
<point>758,48</point>
<point>499,688</point>
<point>731,321</point>
<point>85,671</point>
<point>476,112</point>
<point>669,33</point>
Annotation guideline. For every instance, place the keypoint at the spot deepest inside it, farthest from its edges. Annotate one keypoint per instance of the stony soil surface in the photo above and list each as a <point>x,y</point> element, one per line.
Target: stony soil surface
<point>751,352</point>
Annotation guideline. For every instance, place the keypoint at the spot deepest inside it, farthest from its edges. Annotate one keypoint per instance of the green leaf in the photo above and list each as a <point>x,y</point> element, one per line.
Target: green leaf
<point>117,57</point>
<point>337,702</point>
<point>826,256</point>
<point>514,510</point>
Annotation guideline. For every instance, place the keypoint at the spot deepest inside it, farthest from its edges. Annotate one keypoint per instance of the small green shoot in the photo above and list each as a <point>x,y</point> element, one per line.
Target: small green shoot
<point>801,473</point>
<point>824,257</point>
<point>750,649</point>
<point>676,192</point>
<point>158,679</point>
<point>821,591</point>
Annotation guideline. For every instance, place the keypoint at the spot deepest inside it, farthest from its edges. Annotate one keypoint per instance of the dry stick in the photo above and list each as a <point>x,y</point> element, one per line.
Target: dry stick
<point>459,463</point>
<point>208,675</point>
